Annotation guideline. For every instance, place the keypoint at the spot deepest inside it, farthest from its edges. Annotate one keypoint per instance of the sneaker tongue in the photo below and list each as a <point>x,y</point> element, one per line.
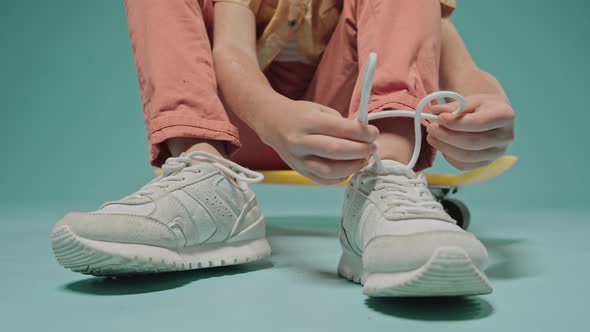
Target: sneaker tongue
<point>203,166</point>
<point>392,167</point>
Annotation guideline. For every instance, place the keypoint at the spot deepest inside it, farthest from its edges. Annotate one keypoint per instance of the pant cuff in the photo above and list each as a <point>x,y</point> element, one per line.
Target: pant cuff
<point>177,125</point>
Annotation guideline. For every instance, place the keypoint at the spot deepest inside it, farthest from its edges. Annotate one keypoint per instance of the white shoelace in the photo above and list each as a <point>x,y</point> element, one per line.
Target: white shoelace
<point>229,167</point>
<point>174,165</point>
<point>398,195</point>
<point>398,190</point>
<point>364,117</point>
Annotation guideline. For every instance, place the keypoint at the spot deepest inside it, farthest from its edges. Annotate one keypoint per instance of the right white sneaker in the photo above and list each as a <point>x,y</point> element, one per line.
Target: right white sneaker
<point>398,241</point>
<point>191,217</point>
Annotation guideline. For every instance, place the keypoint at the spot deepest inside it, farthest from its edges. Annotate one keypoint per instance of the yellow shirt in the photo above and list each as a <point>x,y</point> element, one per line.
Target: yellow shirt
<point>278,21</point>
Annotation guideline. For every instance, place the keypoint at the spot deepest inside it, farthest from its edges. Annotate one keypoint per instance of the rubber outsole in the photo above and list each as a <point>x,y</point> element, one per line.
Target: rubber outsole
<point>448,272</point>
<point>101,258</point>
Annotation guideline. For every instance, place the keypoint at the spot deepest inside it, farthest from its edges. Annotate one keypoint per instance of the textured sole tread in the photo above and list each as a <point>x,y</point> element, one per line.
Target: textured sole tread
<point>81,255</point>
<point>448,272</point>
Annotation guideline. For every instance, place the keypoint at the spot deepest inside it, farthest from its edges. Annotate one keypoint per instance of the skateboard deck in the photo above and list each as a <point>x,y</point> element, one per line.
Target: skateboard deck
<point>477,175</point>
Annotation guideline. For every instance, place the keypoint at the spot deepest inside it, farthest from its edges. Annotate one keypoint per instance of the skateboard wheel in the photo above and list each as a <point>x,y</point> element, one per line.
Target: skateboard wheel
<point>458,211</point>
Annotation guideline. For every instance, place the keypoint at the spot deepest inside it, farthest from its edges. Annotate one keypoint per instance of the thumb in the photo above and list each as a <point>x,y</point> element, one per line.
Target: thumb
<point>443,108</point>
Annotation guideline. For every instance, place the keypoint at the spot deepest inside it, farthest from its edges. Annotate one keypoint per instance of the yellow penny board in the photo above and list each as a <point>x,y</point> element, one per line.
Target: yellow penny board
<point>478,175</point>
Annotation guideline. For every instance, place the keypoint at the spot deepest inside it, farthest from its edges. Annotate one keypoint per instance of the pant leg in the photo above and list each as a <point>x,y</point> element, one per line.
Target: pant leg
<point>171,43</point>
<point>405,34</point>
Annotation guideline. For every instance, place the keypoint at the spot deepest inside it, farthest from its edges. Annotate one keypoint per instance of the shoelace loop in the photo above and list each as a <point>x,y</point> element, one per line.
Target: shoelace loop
<point>174,165</point>
<point>229,167</point>
<point>396,189</point>
<point>364,117</point>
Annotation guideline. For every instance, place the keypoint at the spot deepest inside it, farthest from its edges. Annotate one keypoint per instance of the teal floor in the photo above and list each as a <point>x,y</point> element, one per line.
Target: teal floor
<point>539,267</point>
<point>73,137</point>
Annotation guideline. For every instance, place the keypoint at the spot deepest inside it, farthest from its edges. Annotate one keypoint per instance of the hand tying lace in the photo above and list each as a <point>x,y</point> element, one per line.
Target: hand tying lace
<point>173,167</point>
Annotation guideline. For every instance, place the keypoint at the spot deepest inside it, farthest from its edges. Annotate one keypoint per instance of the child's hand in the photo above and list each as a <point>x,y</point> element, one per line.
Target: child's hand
<point>318,142</point>
<point>475,137</point>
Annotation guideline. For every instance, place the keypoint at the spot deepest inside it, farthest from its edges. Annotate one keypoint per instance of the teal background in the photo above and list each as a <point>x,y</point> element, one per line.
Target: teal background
<point>71,112</point>
<point>73,137</point>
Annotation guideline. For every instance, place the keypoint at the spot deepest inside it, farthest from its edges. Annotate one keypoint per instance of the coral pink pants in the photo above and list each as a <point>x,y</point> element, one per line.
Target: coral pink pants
<point>172,40</point>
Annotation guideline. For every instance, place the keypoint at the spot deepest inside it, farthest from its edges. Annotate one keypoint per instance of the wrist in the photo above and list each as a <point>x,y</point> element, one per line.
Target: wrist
<point>269,115</point>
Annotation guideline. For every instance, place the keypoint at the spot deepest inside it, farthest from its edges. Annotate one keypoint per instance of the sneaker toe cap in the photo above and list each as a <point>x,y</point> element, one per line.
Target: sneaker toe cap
<point>402,253</point>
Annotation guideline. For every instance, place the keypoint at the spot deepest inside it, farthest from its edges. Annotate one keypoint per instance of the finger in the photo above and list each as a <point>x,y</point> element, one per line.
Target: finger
<point>471,141</point>
<point>483,119</point>
<point>335,148</point>
<point>327,124</point>
<point>465,155</point>
<point>465,166</point>
<point>332,169</point>
<point>470,104</point>
<point>330,111</point>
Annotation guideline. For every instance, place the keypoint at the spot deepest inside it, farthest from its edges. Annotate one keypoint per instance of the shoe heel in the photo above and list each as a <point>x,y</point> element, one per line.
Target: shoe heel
<point>350,266</point>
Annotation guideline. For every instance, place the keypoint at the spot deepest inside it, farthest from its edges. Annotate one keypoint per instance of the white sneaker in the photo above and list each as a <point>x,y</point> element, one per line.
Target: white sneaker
<point>193,216</point>
<point>398,241</point>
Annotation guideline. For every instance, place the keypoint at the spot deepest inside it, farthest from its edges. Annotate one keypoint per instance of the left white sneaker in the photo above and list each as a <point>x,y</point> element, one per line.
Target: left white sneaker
<point>398,241</point>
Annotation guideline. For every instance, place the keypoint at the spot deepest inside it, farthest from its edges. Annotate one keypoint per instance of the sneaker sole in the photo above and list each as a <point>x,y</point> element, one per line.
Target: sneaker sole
<point>101,258</point>
<point>448,272</point>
